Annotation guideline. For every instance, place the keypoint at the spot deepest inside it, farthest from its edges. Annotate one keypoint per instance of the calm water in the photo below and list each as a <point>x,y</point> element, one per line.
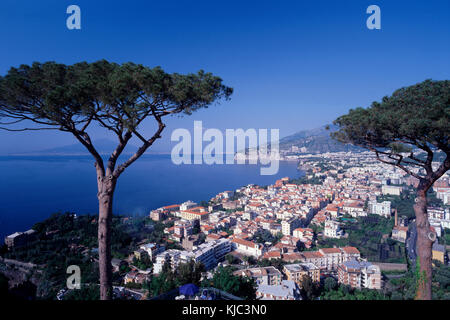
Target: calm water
<point>32,188</point>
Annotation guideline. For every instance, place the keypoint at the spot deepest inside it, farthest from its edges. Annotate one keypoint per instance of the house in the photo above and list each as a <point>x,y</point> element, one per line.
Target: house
<point>355,208</point>
<point>208,253</point>
<point>247,247</point>
<point>439,253</point>
<point>315,257</point>
<point>304,234</point>
<point>350,253</point>
<point>273,254</point>
<point>135,277</point>
<point>400,233</point>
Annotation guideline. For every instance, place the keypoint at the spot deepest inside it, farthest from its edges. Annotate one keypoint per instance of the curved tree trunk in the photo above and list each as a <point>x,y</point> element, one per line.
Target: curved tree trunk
<point>423,246</point>
<point>105,199</point>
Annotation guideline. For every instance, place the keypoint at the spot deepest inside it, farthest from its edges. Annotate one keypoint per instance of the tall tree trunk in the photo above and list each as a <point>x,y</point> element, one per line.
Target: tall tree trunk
<point>424,246</point>
<point>106,188</point>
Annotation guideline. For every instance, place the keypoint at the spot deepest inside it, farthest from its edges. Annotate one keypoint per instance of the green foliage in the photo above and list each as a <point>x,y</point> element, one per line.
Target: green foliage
<point>366,233</point>
<point>306,180</point>
<point>403,203</point>
<point>441,281</point>
<point>119,94</point>
<point>190,272</point>
<point>231,259</point>
<point>262,236</point>
<point>85,293</point>
<point>330,284</point>
<point>309,289</point>
<point>277,263</point>
<point>167,280</point>
<point>343,292</point>
<point>144,263</point>
<point>63,240</point>
<point>415,115</point>
<point>223,279</point>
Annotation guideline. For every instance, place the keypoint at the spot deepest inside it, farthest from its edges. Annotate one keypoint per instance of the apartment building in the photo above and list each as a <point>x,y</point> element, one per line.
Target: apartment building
<point>171,256</point>
<point>439,216</point>
<point>288,226</point>
<point>391,190</point>
<point>19,239</point>
<point>380,208</point>
<point>359,274</point>
<point>297,271</point>
<point>208,253</point>
<point>262,276</point>
<point>333,229</point>
<point>332,257</point>
<point>152,249</point>
<point>196,213</point>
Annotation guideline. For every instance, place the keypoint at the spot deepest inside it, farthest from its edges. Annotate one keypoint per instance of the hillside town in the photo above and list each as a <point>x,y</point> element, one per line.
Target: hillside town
<point>295,228</point>
<point>294,215</point>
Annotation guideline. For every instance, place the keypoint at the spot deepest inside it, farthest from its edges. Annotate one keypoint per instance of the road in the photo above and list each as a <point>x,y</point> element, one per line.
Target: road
<point>411,243</point>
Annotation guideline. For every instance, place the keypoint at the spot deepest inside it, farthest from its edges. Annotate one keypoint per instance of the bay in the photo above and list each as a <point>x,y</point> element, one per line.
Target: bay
<point>34,187</point>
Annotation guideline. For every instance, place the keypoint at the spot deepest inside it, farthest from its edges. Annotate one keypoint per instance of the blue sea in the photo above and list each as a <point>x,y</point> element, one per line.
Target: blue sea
<point>34,187</point>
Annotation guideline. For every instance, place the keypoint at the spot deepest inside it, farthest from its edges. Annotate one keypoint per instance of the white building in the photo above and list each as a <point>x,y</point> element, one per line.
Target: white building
<point>439,216</point>
<point>288,226</point>
<point>208,253</point>
<point>249,248</point>
<point>332,229</point>
<point>392,190</point>
<point>152,249</point>
<point>381,209</point>
<point>188,205</point>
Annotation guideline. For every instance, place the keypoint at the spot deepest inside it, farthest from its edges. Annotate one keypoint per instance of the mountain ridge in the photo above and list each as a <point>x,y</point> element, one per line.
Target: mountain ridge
<point>317,140</point>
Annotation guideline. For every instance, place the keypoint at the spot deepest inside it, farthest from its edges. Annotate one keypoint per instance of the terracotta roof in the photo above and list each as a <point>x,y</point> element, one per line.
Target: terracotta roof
<point>351,250</point>
<point>330,250</point>
<point>272,254</point>
<point>172,206</point>
<point>243,242</point>
<point>312,254</point>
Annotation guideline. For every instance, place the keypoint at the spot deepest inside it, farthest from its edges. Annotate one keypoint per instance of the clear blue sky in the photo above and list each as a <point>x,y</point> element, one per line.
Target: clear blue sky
<point>294,64</point>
